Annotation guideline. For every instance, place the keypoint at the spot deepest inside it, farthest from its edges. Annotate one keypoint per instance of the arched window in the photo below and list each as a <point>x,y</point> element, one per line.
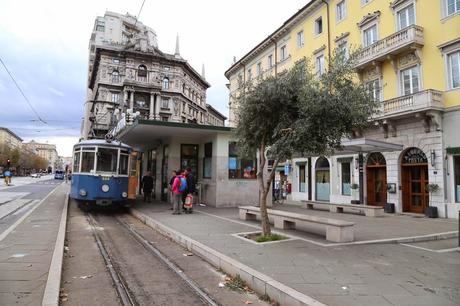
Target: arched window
<point>376,159</point>
<point>142,73</point>
<point>115,77</point>
<point>165,83</point>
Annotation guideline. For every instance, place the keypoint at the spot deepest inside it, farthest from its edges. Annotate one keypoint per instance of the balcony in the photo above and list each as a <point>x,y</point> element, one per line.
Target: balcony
<point>421,101</point>
<point>405,39</point>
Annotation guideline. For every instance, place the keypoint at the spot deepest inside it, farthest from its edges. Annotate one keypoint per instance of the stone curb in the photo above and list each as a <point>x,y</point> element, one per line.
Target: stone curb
<point>260,283</point>
<point>53,284</point>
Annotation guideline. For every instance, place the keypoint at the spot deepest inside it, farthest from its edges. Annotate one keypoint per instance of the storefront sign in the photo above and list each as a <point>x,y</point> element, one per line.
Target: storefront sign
<point>414,156</point>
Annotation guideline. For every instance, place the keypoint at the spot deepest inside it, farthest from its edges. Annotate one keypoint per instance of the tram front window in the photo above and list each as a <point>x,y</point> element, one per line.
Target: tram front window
<point>123,168</point>
<point>107,160</point>
<point>87,161</point>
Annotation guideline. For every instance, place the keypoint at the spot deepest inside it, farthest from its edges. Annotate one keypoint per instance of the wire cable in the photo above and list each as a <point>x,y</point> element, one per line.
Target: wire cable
<point>20,90</point>
<point>139,14</point>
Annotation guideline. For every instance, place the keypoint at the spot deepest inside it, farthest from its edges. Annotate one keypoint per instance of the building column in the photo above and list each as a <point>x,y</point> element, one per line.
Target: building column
<point>125,100</point>
<point>157,106</point>
<point>131,101</point>
<point>151,113</point>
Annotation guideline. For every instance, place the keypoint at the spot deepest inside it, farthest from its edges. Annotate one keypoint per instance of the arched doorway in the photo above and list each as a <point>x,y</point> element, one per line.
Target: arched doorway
<point>323,179</point>
<point>414,180</point>
<point>376,173</point>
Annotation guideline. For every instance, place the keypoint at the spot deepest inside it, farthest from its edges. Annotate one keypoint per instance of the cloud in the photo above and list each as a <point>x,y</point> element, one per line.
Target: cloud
<point>56,92</point>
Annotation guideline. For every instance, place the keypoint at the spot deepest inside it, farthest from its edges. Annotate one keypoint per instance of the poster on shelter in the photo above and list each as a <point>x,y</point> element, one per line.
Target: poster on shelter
<point>232,163</point>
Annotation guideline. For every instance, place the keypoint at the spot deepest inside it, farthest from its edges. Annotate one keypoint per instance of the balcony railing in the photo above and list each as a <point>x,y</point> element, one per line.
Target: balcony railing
<point>420,101</point>
<point>393,44</point>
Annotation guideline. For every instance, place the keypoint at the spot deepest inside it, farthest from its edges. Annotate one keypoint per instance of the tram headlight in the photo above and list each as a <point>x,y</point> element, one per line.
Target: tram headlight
<point>105,188</point>
<point>82,192</point>
<point>124,194</point>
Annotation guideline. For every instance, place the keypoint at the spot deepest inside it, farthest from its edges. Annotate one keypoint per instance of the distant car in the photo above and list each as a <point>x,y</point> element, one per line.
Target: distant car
<point>59,175</point>
<point>35,175</point>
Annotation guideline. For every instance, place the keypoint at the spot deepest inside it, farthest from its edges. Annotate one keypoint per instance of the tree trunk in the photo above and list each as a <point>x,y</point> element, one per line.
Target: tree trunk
<point>266,230</point>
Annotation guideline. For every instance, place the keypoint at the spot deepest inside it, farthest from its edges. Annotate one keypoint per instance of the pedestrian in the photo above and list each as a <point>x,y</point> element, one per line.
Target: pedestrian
<point>7,174</point>
<point>177,194</point>
<point>171,182</point>
<point>147,187</point>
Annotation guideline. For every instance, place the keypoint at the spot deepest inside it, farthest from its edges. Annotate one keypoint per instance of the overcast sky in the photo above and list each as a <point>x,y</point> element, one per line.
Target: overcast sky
<point>44,44</point>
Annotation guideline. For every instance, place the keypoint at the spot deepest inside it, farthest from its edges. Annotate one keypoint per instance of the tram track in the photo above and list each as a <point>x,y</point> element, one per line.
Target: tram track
<point>125,288</point>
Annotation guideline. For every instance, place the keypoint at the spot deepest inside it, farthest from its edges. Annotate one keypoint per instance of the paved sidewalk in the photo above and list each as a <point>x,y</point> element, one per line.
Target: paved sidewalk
<point>26,252</point>
<point>354,274</point>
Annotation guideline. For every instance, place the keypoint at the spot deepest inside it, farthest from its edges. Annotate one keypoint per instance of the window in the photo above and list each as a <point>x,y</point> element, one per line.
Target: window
<point>189,157</point>
<point>341,10</point>
<point>320,64</point>
<point>165,103</point>
<point>453,6</point>
<point>364,2</point>
<point>87,162</point>
<point>370,35</point>
<point>374,90</point>
<point>100,25</point>
<point>410,80</point>
<point>207,160</point>
<point>259,68</point>
<point>270,61</point>
<point>406,17</point>
<point>346,178</point>
<point>283,53</point>
<point>115,61</point>
<point>453,63</point>
<point>300,39</point>
<point>164,118</point>
<point>302,178</point>
<point>107,160</point>
<point>123,167</point>
<point>319,26</point>
<point>76,162</point>
<point>457,178</point>
<point>249,74</point>
<point>165,83</point>
<point>115,77</point>
<point>342,47</point>
<point>142,73</point>
<point>240,168</point>
<point>115,97</point>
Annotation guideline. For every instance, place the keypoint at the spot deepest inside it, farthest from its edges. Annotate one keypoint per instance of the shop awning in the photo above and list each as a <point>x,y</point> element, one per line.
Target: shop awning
<point>365,145</point>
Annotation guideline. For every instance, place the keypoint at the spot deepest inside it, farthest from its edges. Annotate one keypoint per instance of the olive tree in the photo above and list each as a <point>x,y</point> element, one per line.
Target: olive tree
<point>299,112</point>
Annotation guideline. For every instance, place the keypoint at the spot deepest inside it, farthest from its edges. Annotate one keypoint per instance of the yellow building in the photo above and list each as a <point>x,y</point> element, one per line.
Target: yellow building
<point>410,60</point>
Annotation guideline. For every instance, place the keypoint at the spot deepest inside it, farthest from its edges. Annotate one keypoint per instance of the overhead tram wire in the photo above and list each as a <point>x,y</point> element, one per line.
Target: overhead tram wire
<point>22,92</point>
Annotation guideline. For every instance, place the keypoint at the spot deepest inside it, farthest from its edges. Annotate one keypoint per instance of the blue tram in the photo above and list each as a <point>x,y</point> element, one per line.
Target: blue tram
<point>100,172</point>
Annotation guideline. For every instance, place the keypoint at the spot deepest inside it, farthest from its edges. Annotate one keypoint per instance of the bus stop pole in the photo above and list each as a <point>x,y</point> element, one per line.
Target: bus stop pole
<point>361,177</point>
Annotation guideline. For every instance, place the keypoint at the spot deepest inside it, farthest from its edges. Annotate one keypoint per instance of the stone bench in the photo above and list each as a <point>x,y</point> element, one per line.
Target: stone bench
<point>336,230</point>
<point>367,210</point>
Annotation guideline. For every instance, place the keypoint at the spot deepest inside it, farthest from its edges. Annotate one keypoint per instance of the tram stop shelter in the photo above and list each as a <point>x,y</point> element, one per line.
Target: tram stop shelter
<point>223,178</point>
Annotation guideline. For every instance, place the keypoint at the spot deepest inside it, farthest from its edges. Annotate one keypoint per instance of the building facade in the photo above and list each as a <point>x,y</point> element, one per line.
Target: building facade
<point>409,59</point>
<point>46,151</point>
<point>129,76</point>
<point>10,139</point>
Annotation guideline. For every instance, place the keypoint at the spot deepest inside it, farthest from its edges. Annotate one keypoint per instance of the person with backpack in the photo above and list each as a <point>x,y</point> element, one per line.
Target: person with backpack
<point>178,187</point>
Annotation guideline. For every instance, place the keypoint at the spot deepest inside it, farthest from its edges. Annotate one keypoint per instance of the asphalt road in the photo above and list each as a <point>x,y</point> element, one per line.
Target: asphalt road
<point>17,208</point>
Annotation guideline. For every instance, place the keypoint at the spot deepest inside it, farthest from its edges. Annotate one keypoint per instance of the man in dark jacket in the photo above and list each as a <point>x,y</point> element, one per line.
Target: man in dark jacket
<point>191,184</point>
<point>147,187</point>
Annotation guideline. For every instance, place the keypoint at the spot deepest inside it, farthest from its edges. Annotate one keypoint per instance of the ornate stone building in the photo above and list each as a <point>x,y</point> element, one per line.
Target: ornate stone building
<point>129,76</point>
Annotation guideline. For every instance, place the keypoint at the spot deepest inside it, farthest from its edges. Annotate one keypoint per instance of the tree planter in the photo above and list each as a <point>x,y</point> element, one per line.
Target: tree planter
<point>431,212</point>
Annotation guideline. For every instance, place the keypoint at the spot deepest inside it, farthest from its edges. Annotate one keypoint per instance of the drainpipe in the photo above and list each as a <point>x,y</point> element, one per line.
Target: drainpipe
<point>328,32</point>
<point>276,54</point>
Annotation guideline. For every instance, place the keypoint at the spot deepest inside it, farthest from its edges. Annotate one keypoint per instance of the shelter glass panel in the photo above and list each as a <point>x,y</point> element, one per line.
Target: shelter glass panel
<point>240,168</point>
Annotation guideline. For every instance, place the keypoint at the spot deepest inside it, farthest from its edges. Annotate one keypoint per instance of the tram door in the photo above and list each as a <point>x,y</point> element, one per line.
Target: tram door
<point>133,175</point>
